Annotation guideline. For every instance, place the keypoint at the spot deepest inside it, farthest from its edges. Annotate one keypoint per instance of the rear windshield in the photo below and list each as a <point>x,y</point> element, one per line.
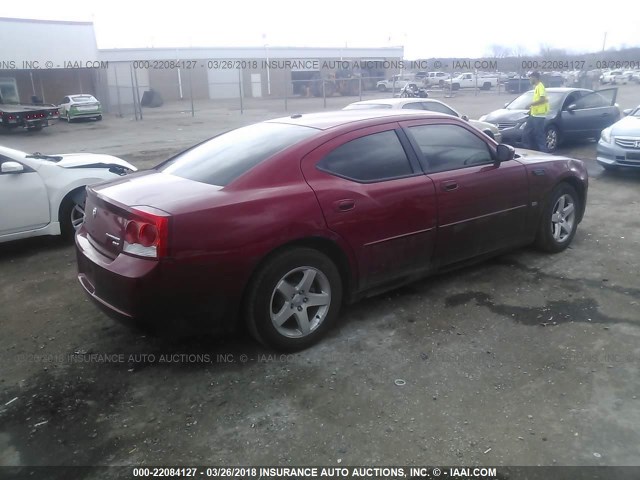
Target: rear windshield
<point>83,98</point>
<point>224,158</point>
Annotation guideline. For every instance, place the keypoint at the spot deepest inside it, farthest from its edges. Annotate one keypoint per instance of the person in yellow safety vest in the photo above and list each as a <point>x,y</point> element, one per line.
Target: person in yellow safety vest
<point>534,136</point>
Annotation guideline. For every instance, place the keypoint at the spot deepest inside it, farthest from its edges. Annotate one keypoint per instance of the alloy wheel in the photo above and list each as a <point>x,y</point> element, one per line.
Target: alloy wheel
<point>77,216</point>
<point>563,218</point>
<point>300,302</point>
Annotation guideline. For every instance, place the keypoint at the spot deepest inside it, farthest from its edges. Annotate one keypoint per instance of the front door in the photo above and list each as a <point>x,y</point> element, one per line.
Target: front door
<point>482,205</point>
<point>24,203</point>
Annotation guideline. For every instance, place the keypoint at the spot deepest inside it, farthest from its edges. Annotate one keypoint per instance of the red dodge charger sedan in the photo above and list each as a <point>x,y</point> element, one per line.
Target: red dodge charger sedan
<point>279,223</point>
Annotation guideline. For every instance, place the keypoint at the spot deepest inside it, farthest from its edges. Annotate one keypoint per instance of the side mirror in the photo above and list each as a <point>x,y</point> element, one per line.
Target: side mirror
<point>572,107</point>
<point>12,167</point>
<point>504,153</point>
<point>627,111</point>
<point>465,118</point>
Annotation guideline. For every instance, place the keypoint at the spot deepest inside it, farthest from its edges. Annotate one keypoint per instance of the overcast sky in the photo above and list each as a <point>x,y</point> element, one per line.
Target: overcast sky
<point>426,28</point>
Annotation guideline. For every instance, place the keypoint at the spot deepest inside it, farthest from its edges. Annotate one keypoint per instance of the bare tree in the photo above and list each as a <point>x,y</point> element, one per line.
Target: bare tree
<point>499,51</point>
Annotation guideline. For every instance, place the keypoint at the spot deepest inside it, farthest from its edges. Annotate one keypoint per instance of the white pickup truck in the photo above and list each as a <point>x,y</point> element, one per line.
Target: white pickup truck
<point>396,82</point>
<point>471,80</point>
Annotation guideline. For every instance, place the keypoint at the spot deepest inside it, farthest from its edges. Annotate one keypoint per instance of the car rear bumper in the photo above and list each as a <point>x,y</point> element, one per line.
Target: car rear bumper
<point>144,292</point>
<point>95,113</point>
<point>609,154</point>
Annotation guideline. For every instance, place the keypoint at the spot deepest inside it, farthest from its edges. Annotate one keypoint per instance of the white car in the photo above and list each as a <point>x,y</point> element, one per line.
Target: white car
<point>45,194</point>
<point>77,106</point>
<point>613,77</point>
<point>429,104</point>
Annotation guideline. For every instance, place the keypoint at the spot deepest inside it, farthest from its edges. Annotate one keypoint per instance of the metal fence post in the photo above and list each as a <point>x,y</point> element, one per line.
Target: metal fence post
<point>324,94</point>
<point>193,113</point>
<point>476,74</point>
<point>115,71</point>
<point>139,103</point>
<point>286,93</point>
<point>133,92</point>
<point>240,90</point>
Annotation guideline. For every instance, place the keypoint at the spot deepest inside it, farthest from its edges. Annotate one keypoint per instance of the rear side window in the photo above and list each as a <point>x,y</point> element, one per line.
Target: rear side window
<point>592,100</point>
<point>224,158</point>
<point>438,107</point>
<point>413,106</point>
<point>373,158</point>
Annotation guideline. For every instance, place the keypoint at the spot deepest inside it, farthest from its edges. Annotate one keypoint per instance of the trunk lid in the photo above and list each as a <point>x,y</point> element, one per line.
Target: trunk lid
<point>110,205</point>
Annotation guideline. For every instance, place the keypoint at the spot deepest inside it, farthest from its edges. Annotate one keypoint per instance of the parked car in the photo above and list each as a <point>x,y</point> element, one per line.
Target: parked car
<point>619,144</point>
<point>628,75</point>
<point>635,77</point>
<point>44,194</point>
<point>280,222</point>
<point>574,113</point>
<point>80,106</point>
<point>613,77</point>
<point>523,84</point>
<point>396,82</point>
<point>425,104</point>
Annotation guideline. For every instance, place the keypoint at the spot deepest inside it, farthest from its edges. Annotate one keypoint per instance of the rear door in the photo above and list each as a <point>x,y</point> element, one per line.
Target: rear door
<point>482,207</point>
<point>374,195</point>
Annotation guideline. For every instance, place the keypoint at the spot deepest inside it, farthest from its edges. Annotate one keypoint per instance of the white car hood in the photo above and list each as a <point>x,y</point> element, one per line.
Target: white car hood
<point>74,160</point>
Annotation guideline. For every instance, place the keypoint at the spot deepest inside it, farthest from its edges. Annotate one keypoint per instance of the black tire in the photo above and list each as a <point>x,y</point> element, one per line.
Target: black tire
<point>263,296</point>
<point>98,118</point>
<point>455,86</point>
<point>486,86</point>
<point>552,138</point>
<point>69,213</point>
<point>382,88</point>
<point>545,239</point>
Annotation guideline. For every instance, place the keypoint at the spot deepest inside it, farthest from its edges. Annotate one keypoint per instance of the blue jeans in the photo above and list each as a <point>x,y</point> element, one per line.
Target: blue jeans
<point>533,136</point>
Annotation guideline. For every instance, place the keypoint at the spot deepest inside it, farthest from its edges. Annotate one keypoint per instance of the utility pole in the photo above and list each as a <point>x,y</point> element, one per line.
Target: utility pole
<point>604,42</point>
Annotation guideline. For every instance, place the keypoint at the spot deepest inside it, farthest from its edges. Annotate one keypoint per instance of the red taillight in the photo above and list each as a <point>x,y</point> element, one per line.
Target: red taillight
<point>147,234</point>
<point>132,232</point>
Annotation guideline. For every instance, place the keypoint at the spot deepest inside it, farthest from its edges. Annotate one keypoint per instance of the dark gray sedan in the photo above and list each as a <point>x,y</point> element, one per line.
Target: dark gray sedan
<point>619,144</point>
<point>574,114</point>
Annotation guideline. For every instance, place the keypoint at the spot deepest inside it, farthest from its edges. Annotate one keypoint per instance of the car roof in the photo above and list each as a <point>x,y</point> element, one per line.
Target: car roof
<point>326,120</point>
